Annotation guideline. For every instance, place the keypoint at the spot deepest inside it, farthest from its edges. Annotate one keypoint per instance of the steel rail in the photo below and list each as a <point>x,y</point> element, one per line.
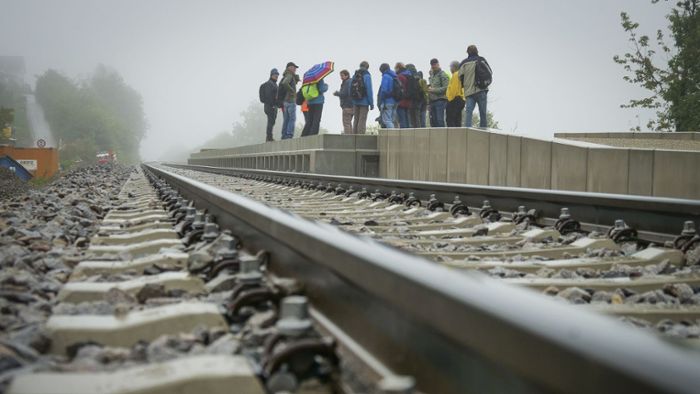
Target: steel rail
<point>658,219</point>
<point>454,332</point>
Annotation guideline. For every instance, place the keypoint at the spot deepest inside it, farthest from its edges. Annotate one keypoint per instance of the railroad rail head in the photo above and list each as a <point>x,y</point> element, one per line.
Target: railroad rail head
<point>658,219</point>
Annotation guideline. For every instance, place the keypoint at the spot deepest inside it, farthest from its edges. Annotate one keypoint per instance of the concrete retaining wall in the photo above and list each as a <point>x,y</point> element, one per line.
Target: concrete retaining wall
<point>354,155</point>
<point>486,158</point>
<point>681,135</point>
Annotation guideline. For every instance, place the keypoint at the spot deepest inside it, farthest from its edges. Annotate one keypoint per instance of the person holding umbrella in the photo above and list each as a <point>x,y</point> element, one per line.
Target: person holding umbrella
<point>313,87</point>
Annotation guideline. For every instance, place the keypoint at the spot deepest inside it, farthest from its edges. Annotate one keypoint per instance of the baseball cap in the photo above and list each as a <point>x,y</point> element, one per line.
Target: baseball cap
<point>292,64</point>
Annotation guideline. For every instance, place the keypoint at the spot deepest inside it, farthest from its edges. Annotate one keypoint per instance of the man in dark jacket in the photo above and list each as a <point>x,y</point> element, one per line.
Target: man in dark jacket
<point>345,95</point>
<point>269,94</point>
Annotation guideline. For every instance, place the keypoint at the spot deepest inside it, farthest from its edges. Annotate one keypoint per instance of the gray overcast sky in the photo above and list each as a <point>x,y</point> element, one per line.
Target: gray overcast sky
<point>198,64</point>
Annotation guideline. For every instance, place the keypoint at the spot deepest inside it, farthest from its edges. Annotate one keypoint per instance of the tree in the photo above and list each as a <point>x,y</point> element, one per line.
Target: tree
<point>491,123</point>
<point>673,84</point>
<point>97,114</point>
<point>13,104</point>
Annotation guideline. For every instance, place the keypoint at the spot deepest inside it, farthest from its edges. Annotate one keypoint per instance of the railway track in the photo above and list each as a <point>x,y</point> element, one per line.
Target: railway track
<point>615,270</point>
<point>198,282</point>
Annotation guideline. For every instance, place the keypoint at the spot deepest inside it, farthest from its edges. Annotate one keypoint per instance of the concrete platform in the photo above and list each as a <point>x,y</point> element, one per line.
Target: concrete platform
<point>571,161</point>
<point>334,154</point>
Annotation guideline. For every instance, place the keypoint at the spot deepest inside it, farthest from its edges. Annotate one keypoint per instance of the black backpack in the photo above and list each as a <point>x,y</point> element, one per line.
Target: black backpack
<point>483,74</point>
<point>265,94</point>
<point>397,89</point>
<point>357,87</point>
<point>411,90</point>
<point>419,94</point>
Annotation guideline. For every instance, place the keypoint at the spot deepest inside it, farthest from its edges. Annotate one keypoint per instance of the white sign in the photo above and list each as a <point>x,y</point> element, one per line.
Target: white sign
<point>30,165</point>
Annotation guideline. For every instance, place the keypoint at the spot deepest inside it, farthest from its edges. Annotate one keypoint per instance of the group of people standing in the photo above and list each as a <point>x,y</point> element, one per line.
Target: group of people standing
<point>404,97</point>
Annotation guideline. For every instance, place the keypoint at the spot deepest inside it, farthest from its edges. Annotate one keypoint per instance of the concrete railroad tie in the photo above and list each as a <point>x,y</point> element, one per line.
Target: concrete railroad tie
<point>144,232</point>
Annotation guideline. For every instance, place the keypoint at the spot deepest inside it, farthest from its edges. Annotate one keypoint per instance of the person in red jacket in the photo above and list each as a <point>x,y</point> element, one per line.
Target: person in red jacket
<point>405,103</point>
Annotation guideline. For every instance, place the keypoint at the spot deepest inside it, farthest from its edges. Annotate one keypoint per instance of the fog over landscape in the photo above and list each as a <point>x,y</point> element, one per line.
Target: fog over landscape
<point>197,65</point>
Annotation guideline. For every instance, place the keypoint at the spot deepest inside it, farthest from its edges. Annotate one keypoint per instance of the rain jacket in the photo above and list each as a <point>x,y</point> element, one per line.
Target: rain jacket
<point>386,89</point>
<point>345,94</point>
<point>368,100</point>
<point>289,84</point>
<point>438,82</point>
<point>454,89</point>
<point>322,88</point>
<point>467,74</point>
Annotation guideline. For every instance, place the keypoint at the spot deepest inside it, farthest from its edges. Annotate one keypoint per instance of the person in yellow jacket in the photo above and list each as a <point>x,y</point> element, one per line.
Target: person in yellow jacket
<point>455,98</point>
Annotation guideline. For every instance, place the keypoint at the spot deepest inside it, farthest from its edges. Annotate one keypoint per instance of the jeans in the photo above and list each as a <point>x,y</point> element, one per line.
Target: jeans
<point>387,112</point>
<point>271,113</point>
<point>403,117</point>
<point>437,113</point>
<point>472,101</point>
<point>313,120</point>
<point>289,118</point>
<point>454,112</point>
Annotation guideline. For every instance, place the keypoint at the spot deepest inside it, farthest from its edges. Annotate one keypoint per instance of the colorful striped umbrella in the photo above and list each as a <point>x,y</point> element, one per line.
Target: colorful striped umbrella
<point>318,72</point>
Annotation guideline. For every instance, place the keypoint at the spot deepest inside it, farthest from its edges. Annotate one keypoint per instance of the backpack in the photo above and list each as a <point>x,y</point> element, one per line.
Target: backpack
<point>483,74</point>
<point>357,87</point>
<point>310,92</point>
<point>411,90</point>
<point>300,97</point>
<point>419,94</point>
<point>265,94</point>
<point>281,93</point>
<point>397,89</point>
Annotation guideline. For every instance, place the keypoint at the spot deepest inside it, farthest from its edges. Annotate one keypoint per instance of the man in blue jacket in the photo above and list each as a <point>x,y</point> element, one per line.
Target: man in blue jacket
<point>385,99</point>
<point>362,97</point>
<point>315,110</point>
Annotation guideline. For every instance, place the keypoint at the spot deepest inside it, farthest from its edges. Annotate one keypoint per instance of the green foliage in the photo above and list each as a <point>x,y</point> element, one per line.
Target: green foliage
<point>100,113</point>
<point>674,82</point>
<point>7,115</point>
<point>251,128</point>
<point>491,123</point>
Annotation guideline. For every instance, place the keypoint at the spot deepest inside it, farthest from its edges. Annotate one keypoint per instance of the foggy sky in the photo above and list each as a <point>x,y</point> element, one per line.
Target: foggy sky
<point>198,64</point>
